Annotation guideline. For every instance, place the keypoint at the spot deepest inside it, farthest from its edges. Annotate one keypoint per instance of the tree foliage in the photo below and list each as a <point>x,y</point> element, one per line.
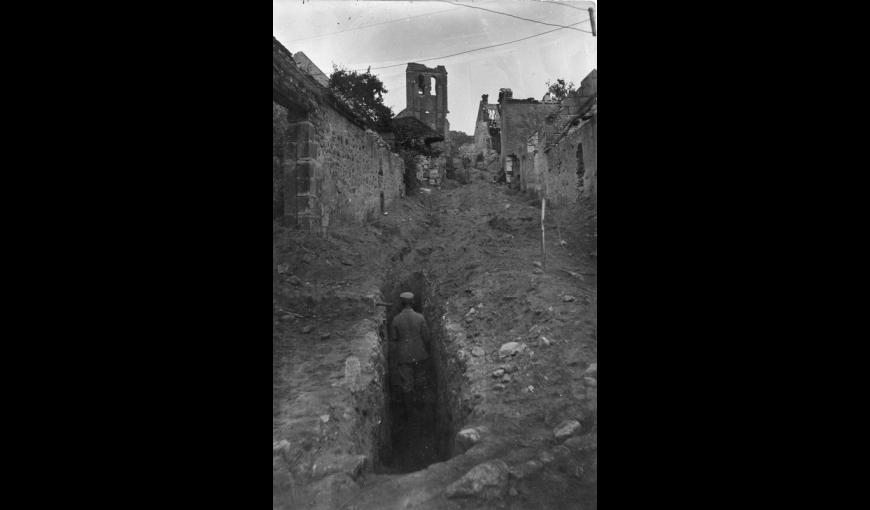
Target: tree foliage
<point>362,93</point>
<point>560,90</point>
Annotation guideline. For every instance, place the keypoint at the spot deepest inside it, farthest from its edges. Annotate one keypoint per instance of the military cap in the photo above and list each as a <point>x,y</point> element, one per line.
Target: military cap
<point>406,296</point>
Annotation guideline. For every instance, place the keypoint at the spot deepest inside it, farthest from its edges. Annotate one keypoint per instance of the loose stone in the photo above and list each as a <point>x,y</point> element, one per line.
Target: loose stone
<point>566,429</point>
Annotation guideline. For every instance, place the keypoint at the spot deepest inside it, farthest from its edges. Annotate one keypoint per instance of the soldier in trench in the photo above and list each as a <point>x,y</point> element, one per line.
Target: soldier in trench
<point>409,356</point>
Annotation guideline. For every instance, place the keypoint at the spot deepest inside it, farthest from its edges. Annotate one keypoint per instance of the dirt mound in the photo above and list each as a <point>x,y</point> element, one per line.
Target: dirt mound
<point>500,223</point>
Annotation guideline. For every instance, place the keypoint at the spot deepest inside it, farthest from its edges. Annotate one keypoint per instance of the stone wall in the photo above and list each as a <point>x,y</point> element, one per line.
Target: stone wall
<point>589,138</point>
<point>482,139</point>
<point>519,120</point>
<point>280,128</point>
<point>328,169</point>
<point>561,169</point>
<point>553,170</point>
<point>551,163</point>
<point>353,170</point>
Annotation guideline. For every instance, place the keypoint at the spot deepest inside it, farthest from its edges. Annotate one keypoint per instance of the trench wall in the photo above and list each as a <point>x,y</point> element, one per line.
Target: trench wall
<point>452,401</point>
<point>328,393</point>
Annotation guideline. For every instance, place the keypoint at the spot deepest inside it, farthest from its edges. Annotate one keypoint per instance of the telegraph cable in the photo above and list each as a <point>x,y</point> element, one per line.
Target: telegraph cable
<point>482,48</point>
<point>564,4</point>
<point>367,26</point>
<point>514,16</point>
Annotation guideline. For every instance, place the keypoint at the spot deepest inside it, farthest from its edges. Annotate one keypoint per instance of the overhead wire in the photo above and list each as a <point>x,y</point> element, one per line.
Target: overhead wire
<point>481,48</point>
<point>372,25</point>
<point>513,15</point>
<point>565,4</point>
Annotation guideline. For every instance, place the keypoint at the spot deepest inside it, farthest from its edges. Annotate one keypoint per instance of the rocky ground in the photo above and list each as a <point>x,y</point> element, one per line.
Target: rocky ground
<point>517,354</point>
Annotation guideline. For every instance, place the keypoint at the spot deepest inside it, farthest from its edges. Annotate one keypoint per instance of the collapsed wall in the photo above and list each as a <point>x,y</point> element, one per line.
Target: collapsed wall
<point>561,155</point>
<point>328,169</point>
<point>520,118</point>
<point>572,164</point>
<point>487,128</point>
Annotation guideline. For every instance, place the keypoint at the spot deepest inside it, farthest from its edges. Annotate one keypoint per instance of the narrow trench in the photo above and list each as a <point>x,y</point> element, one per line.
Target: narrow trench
<point>416,434</point>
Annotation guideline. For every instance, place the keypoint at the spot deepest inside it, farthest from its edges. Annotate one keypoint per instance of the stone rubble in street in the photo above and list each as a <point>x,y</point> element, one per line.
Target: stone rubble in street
<point>350,465</point>
<point>281,450</point>
<point>566,428</point>
<point>488,480</point>
<point>511,349</point>
<point>466,438</point>
<point>526,469</point>
<point>584,443</point>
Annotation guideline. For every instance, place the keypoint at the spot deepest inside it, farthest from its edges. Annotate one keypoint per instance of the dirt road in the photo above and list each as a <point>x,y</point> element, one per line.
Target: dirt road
<point>515,425</point>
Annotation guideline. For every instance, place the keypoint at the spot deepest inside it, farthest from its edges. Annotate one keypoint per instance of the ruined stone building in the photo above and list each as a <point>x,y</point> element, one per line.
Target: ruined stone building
<point>426,96</point>
<point>487,127</point>
<point>328,168</point>
<point>561,159</point>
<point>425,119</point>
<point>520,118</point>
<point>412,133</point>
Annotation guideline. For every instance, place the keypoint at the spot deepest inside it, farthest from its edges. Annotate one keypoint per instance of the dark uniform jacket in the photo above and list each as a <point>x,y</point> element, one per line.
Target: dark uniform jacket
<point>410,336</point>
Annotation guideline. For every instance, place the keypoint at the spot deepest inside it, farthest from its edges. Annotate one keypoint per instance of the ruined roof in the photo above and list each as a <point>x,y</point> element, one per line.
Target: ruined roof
<point>412,127</point>
<point>413,66</point>
<point>306,65</point>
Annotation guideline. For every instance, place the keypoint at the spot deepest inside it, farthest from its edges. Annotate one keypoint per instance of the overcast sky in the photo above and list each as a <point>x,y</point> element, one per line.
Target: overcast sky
<point>411,31</point>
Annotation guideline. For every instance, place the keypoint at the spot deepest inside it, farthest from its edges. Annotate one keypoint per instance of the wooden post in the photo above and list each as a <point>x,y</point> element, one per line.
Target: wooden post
<point>543,235</point>
<point>543,216</point>
<point>592,21</point>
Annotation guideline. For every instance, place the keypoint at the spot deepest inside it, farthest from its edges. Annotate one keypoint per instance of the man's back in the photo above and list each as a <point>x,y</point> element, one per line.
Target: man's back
<point>410,331</point>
